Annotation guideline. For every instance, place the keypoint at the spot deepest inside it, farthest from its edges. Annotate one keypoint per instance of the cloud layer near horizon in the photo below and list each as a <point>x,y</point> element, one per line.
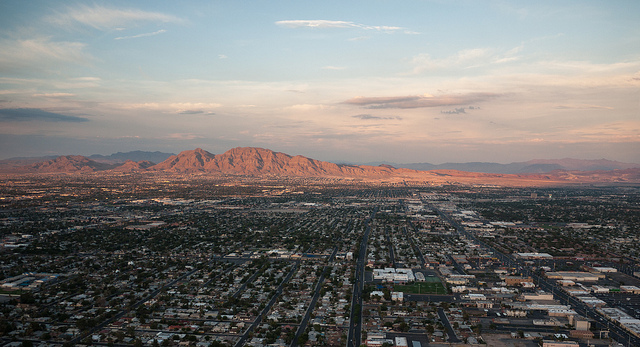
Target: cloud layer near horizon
<point>34,114</point>
<point>419,101</point>
<point>333,82</point>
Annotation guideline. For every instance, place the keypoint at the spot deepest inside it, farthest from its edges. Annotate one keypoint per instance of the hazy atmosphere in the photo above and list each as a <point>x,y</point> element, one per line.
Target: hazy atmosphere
<point>361,81</point>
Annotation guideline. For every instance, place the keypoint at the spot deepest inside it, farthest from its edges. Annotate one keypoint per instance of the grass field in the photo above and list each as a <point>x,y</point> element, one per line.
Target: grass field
<point>421,288</point>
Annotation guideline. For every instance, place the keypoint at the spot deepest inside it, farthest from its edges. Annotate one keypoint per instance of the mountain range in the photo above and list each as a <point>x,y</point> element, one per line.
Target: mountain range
<point>531,166</point>
<point>121,157</point>
<point>116,158</point>
<point>251,161</point>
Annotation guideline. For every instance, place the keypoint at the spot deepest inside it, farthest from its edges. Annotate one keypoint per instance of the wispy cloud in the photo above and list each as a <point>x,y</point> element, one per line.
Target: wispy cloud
<point>183,136</point>
<point>459,110</point>
<point>467,58</point>
<point>54,95</point>
<point>100,17</point>
<point>583,107</point>
<point>360,38</point>
<point>39,52</point>
<point>78,82</point>
<point>464,58</point>
<point>196,112</point>
<point>141,35</point>
<point>334,67</point>
<point>327,24</point>
<point>35,114</point>
<point>307,107</point>
<point>372,117</point>
<point>419,101</point>
<point>177,107</point>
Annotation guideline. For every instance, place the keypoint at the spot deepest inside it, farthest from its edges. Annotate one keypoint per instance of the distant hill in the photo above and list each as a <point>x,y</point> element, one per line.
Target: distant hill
<point>66,163</point>
<point>531,166</point>
<point>121,157</point>
<point>132,166</point>
<point>116,158</point>
<point>7,164</point>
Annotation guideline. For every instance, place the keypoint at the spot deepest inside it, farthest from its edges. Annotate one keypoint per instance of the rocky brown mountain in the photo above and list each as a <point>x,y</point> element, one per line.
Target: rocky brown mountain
<point>259,161</point>
<point>251,161</point>
<point>66,163</point>
<point>133,166</point>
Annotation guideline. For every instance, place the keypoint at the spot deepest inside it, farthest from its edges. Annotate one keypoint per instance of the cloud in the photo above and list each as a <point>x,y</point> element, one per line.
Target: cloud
<point>327,24</point>
<point>78,82</point>
<point>583,107</point>
<point>195,112</point>
<point>178,107</point>
<point>372,117</point>
<point>222,56</point>
<point>38,53</point>
<point>467,58</point>
<point>183,136</point>
<point>141,35</point>
<point>54,95</point>
<point>419,101</point>
<point>193,105</point>
<point>360,38</point>
<point>334,67</point>
<point>100,17</point>
<point>35,114</point>
<point>464,58</point>
<point>307,107</point>
<point>460,110</point>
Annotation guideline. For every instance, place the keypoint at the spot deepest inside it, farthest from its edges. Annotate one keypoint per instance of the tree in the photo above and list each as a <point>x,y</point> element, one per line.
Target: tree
<point>430,329</point>
<point>404,327</point>
<point>386,294</point>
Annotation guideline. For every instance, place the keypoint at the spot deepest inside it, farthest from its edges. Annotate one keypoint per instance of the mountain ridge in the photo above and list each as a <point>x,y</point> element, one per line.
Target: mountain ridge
<point>115,158</point>
<point>530,166</point>
<point>260,162</point>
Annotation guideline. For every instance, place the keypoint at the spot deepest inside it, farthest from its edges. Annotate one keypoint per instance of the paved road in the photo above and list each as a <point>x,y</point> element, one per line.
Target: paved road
<point>416,249</point>
<point>244,285</point>
<point>445,321</point>
<point>355,328</point>
<point>122,313</point>
<point>264,312</point>
<point>314,300</point>
<point>390,245</point>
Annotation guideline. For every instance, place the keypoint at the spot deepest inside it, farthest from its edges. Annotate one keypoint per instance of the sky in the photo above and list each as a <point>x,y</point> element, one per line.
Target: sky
<point>344,81</point>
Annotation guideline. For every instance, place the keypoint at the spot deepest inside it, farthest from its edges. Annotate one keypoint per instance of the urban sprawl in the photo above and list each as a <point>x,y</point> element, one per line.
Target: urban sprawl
<point>154,260</point>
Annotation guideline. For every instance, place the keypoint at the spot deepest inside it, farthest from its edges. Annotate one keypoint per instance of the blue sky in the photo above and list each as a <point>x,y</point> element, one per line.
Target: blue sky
<point>357,81</point>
